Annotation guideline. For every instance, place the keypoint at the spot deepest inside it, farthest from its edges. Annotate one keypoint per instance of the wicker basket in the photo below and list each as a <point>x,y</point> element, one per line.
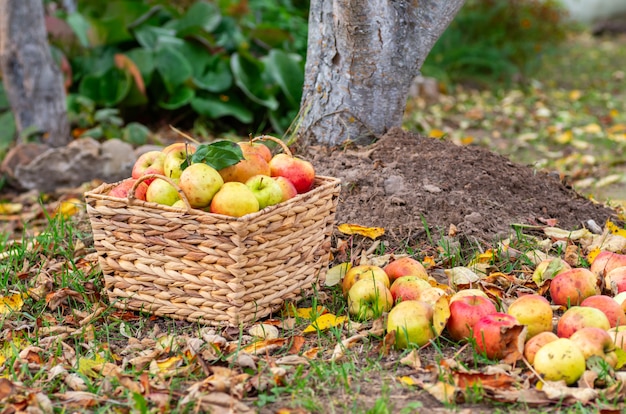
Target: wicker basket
<point>209,268</point>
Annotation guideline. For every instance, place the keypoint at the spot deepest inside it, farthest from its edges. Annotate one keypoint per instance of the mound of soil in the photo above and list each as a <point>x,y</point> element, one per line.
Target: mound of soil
<point>405,181</point>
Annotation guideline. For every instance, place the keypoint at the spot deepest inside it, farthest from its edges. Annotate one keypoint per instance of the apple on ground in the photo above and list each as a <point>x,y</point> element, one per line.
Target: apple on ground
<point>405,266</point>
<point>578,317</point>
<point>535,343</point>
<point>363,272</point>
<point>430,295</point>
<point>266,190</point>
<point>252,164</point>
<point>121,190</point>
<point>621,299</point>
<point>234,199</point>
<point>605,261</point>
<point>248,148</point>
<point>560,360</point>
<point>408,288</point>
<point>465,312</point>
<point>412,320</point>
<point>369,298</point>
<point>615,280</point>
<point>468,292</point>
<point>200,182</point>
<point>548,268</point>
<point>594,341</point>
<point>162,192</point>
<point>534,311</point>
<point>618,336</point>
<point>300,172</point>
<point>499,336</point>
<point>150,162</point>
<point>287,187</point>
<point>609,306</point>
<point>571,287</point>
<point>175,155</point>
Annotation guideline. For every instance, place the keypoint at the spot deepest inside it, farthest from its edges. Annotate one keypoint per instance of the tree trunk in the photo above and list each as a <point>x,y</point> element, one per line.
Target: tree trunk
<point>32,79</point>
<point>362,57</point>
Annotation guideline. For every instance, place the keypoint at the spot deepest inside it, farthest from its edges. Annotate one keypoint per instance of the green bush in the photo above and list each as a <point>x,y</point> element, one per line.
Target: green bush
<point>229,64</point>
<point>497,40</point>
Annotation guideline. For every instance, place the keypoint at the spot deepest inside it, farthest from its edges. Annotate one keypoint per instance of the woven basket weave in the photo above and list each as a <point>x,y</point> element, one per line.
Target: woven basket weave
<point>209,268</point>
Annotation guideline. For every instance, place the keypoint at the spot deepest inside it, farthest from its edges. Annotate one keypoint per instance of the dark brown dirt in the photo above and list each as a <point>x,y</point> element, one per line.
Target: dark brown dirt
<point>405,180</point>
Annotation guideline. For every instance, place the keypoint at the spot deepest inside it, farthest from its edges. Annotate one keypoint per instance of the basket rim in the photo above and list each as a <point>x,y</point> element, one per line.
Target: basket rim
<point>98,194</point>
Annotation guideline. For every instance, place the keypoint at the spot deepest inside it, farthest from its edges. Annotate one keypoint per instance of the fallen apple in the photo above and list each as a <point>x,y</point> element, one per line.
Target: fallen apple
<point>560,360</point>
<point>266,190</point>
<point>405,266</point>
<point>363,272</point>
<point>618,336</point>
<point>465,312</point>
<point>499,336</point>
<point>200,182</point>
<point>594,341</point>
<point>369,298</point>
<point>609,306</point>
<point>412,320</point>
<point>621,299</point>
<point>150,162</point>
<point>571,287</point>
<point>234,199</point>
<point>535,343</point>
<point>578,317</point>
<point>468,292</point>
<point>605,261</point>
<point>534,311</point>
<point>615,280</point>
<point>408,288</point>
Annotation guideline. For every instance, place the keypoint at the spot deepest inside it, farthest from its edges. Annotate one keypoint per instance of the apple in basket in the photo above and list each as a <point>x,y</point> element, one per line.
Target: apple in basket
<point>162,192</point>
<point>150,162</point>
<point>234,199</point>
<point>121,190</point>
<point>248,148</point>
<point>200,182</point>
<point>266,190</point>
<point>175,155</point>
<point>287,187</point>
<point>252,164</point>
<point>300,172</point>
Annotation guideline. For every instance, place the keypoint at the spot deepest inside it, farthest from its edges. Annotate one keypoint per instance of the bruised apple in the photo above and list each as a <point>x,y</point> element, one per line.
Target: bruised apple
<point>571,287</point>
<point>493,339</point>
<point>363,272</point>
<point>611,308</point>
<point>578,317</point>
<point>465,312</point>
<point>405,266</point>
<point>534,311</point>
<point>535,343</point>
<point>560,360</point>
<point>606,261</point>
<point>615,280</point>
<point>594,341</point>
<point>408,288</point>
<point>412,321</point>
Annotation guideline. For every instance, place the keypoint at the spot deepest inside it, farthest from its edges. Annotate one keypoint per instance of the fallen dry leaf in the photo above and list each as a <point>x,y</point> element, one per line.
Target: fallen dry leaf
<point>325,322</point>
<point>371,232</point>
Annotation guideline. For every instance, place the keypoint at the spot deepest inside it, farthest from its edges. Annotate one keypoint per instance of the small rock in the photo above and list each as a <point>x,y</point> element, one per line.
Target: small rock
<point>474,217</point>
<point>263,331</point>
<point>432,188</point>
<point>393,184</point>
<point>118,158</point>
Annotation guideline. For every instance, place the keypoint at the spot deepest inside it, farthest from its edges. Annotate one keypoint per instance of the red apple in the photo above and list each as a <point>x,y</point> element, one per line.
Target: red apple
<point>534,311</point>
<point>609,306</point>
<point>121,190</point>
<point>369,298</point>
<point>615,280</point>
<point>175,155</point>
<point>594,341</point>
<point>234,199</point>
<point>405,266</point>
<point>621,299</point>
<point>468,292</point>
<point>499,336</point>
<point>578,317</point>
<point>252,164</point>
<point>248,148</point>
<point>408,288</point>
<point>606,261</point>
<point>200,182</point>
<point>465,312</point>
<point>287,187</point>
<point>413,323</point>
<point>300,172</point>
<point>363,272</point>
<point>150,162</point>
<point>571,287</point>
<point>535,343</point>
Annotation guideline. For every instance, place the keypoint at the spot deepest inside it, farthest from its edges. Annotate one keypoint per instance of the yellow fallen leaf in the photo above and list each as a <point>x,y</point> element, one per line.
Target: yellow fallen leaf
<point>614,229</point>
<point>336,273</point>
<point>616,128</point>
<point>467,140</point>
<point>486,257</point>
<point>12,303</point>
<point>564,137</point>
<point>406,380</point>
<point>575,95</point>
<point>325,322</point>
<point>591,256</point>
<point>441,314</point>
<point>10,208</point>
<point>592,129</point>
<point>308,313</point>
<point>169,363</point>
<point>91,367</point>
<point>69,207</point>
<point>621,357</point>
<point>371,232</point>
<point>558,233</point>
<point>436,133</point>
<point>614,112</point>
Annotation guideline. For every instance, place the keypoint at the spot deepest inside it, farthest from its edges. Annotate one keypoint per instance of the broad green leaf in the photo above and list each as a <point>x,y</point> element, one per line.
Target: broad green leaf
<point>200,16</point>
<point>173,67</point>
<point>181,97</point>
<point>271,35</point>
<point>216,76</point>
<point>107,89</point>
<point>151,37</point>
<point>144,61</point>
<point>247,77</point>
<point>287,72</point>
<point>220,154</point>
<point>80,26</point>
<point>216,107</point>
<point>135,133</point>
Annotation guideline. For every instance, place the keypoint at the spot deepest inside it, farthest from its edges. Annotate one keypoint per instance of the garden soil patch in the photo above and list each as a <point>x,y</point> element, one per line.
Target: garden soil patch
<point>405,182</point>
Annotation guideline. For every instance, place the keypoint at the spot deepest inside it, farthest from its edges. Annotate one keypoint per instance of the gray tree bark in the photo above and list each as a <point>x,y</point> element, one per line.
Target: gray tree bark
<point>362,57</point>
<point>32,79</point>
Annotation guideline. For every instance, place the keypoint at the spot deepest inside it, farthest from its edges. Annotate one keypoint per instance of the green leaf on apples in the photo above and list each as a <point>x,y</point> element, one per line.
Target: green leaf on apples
<point>219,155</point>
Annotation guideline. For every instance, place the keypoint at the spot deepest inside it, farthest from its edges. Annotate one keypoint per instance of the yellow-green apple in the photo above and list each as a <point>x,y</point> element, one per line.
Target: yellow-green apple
<point>615,280</point>
<point>251,165</point>
<point>430,295</point>
<point>234,199</point>
<point>594,341</point>
<point>609,306</point>
<point>162,192</point>
<point>405,266</point>
<point>407,288</point>
<point>300,172</point>
<point>468,292</point>
<point>534,311</point>
<point>465,312</point>
<point>605,261</point>
<point>369,298</point>
<point>571,287</point>
<point>121,190</point>
<point>266,190</point>
<point>548,268</point>
<point>560,360</point>
<point>363,272</point>
<point>287,187</point>
<point>578,317</point>
<point>180,204</point>
<point>621,299</point>
<point>175,155</point>
<point>535,343</point>
<point>412,321</point>
<point>618,335</point>
<point>150,162</point>
<point>498,336</point>
<point>248,148</point>
<point>200,182</point>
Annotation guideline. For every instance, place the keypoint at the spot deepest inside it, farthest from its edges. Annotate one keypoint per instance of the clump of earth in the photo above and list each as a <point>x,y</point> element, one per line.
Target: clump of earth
<point>409,184</point>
